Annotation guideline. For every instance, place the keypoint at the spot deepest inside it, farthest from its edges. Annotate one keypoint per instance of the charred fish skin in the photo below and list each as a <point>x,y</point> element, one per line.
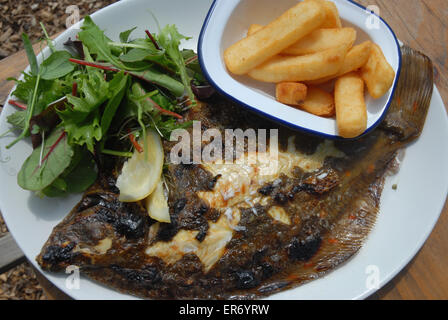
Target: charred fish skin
<point>99,223</point>
<point>291,230</point>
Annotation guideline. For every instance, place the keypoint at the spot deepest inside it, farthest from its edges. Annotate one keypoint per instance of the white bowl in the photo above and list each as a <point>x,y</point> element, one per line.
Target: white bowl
<point>228,21</point>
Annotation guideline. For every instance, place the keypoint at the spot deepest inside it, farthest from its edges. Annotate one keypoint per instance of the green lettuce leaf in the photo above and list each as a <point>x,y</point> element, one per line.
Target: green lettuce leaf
<point>83,118</point>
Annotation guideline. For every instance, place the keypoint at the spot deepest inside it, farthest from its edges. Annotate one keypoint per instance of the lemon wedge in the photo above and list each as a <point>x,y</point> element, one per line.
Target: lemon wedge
<point>140,175</point>
<point>157,205</point>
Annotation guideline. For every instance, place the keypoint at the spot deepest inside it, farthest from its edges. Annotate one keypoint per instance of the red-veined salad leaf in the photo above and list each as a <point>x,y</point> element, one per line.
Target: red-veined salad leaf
<point>80,175</point>
<point>43,167</point>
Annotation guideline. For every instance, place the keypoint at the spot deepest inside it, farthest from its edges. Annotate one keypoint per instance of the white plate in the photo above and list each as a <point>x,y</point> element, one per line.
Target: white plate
<point>406,219</point>
<point>228,22</point>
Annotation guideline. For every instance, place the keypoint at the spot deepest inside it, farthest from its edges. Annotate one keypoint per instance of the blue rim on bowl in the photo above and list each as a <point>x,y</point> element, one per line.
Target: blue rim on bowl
<point>282,121</point>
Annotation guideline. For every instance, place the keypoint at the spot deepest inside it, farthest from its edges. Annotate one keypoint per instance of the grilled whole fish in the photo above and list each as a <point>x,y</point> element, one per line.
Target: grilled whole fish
<point>235,232</point>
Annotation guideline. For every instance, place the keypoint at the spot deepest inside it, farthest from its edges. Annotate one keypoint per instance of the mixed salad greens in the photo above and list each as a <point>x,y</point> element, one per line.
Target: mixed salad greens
<point>96,94</point>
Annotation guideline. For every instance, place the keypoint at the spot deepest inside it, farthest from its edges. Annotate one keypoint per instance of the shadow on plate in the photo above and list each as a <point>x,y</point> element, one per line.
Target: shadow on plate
<point>52,209</point>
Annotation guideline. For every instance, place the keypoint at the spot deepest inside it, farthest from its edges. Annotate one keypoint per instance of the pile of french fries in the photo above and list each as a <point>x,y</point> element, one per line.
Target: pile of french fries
<point>303,51</point>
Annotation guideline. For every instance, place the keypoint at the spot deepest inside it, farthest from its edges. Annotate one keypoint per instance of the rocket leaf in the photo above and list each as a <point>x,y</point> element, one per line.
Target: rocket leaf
<point>97,43</point>
<point>170,40</point>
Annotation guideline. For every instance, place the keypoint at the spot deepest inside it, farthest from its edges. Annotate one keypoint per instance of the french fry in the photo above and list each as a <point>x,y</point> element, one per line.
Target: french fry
<point>377,73</point>
<point>301,68</point>
<point>254,28</point>
<point>322,39</point>
<point>326,53</point>
<point>356,57</point>
<point>318,40</point>
<point>332,19</point>
<point>318,102</point>
<point>292,93</point>
<point>291,26</point>
<point>351,110</point>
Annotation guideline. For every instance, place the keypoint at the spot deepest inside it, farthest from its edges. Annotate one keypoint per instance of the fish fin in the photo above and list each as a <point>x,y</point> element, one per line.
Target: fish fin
<point>338,245</point>
<point>351,231</point>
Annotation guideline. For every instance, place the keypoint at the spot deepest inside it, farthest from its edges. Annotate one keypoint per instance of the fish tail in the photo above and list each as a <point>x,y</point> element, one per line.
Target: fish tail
<point>409,107</point>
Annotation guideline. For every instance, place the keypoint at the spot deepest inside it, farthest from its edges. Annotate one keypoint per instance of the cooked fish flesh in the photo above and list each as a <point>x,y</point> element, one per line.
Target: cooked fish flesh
<point>239,231</point>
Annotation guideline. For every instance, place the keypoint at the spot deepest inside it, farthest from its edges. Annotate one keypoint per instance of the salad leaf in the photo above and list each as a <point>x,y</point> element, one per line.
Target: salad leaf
<point>136,92</point>
<point>158,57</point>
<point>85,133</point>
<point>34,90</point>
<point>124,36</point>
<point>137,54</point>
<point>17,119</point>
<point>47,38</point>
<point>29,113</point>
<point>117,87</point>
<point>75,46</point>
<point>161,79</point>
<point>36,173</point>
<point>56,65</point>
<point>170,39</point>
<point>24,88</point>
<point>193,66</point>
<point>48,90</point>
<point>83,175</point>
<point>144,49</point>
<point>79,176</point>
<point>81,117</point>
<point>148,116</point>
<point>75,106</point>
<point>44,122</point>
<point>97,43</point>
<point>30,54</point>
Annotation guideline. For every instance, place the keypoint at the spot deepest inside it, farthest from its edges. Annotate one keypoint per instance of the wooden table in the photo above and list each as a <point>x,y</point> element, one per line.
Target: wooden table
<point>421,24</point>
